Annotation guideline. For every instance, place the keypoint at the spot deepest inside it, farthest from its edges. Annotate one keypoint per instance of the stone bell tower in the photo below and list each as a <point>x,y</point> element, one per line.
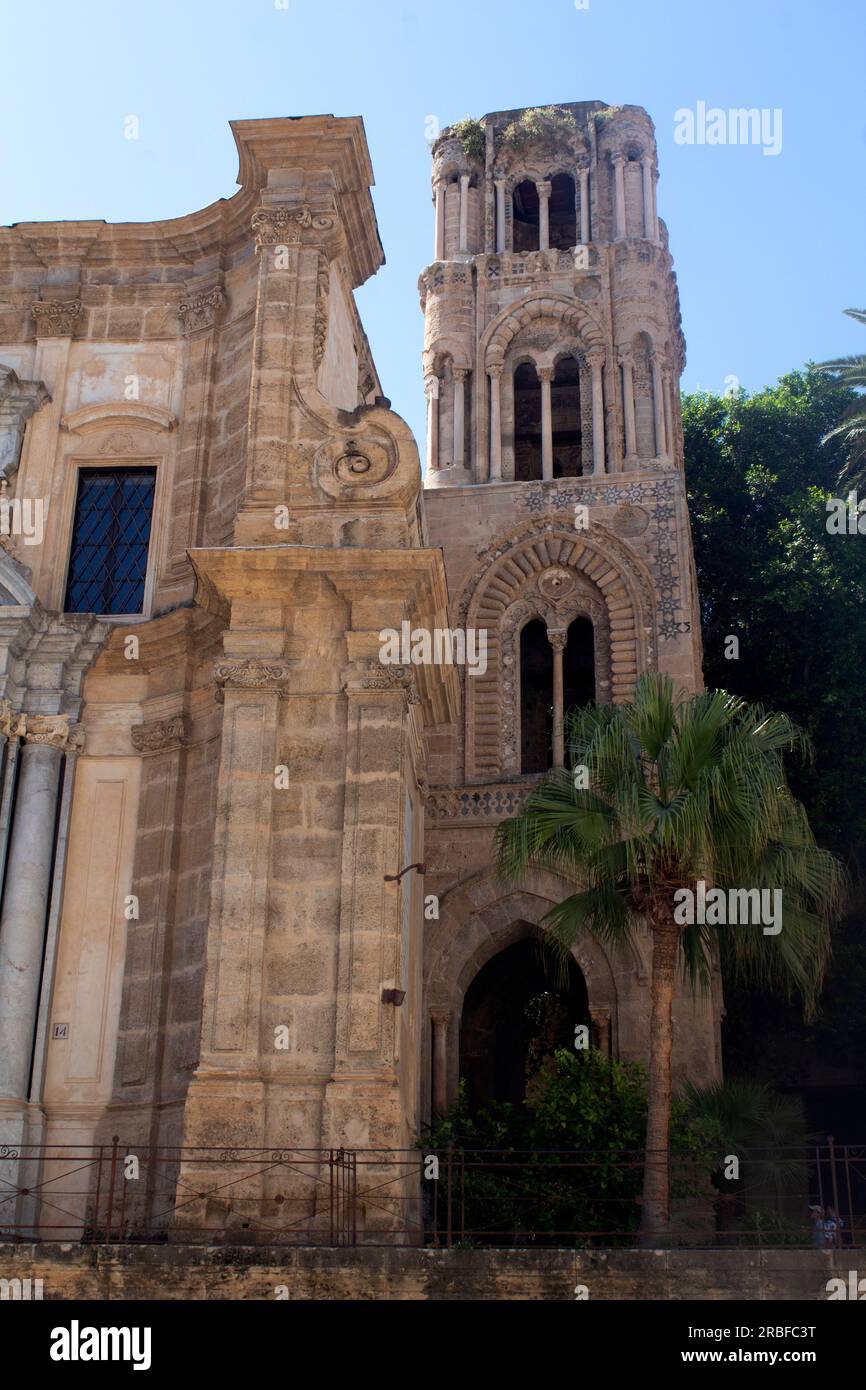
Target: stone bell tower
<point>555,486</point>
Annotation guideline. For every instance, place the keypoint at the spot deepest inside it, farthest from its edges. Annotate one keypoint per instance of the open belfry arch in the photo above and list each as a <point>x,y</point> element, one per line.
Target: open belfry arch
<point>211,779</point>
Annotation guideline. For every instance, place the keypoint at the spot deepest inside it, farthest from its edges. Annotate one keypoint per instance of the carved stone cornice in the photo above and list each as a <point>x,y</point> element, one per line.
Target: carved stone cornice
<point>55,319</point>
<point>251,673</point>
<point>51,730</point>
<point>201,310</point>
<point>159,735</point>
<point>275,226</point>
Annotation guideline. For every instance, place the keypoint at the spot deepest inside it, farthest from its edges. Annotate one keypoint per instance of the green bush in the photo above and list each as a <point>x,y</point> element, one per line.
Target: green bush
<point>471,135</point>
<point>568,1164</point>
<point>538,124</point>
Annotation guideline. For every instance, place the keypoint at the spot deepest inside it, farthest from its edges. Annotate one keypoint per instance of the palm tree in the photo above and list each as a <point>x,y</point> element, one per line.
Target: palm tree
<point>672,793</point>
<point>851,372</point>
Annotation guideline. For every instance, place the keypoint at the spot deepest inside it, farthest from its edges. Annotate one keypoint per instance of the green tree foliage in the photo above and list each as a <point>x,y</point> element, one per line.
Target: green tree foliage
<point>759,475</point>
<point>677,791</point>
<point>568,1162</point>
<point>851,429</point>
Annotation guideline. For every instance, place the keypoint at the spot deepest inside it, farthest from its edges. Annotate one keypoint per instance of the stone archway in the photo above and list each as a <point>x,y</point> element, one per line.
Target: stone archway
<point>482,917</point>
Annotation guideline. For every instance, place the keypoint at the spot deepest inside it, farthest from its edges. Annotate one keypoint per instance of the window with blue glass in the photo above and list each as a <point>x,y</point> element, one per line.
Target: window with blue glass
<point>110,538</point>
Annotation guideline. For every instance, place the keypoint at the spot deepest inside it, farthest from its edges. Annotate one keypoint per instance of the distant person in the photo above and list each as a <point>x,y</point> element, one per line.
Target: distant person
<point>831,1229</point>
<point>816,1217</point>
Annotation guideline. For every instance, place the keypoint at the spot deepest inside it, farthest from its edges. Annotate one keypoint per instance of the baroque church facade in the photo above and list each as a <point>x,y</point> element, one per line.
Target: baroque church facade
<point>211,780</point>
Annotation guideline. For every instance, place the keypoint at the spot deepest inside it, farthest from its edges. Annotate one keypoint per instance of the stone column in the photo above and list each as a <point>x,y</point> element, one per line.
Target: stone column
<point>543,188</point>
<point>460,375</point>
<point>500,215</point>
<point>595,362</point>
<point>618,162</point>
<point>431,390</point>
<point>628,407</point>
<point>440,1020</point>
<point>584,204</point>
<point>494,372</point>
<point>658,406</point>
<point>11,725</point>
<point>558,638</point>
<point>546,377</point>
<point>439,242</point>
<point>27,892</point>
<point>464,212</point>
<point>650,230</point>
<point>600,1020</point>
<point>669,429</point>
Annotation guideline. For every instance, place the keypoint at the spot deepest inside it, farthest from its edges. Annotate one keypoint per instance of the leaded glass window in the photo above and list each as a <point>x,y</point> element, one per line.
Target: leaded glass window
<point>110,538</point>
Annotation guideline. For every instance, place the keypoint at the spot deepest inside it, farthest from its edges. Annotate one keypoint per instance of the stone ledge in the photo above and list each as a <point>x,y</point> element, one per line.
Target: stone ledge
<point>196,1272</point>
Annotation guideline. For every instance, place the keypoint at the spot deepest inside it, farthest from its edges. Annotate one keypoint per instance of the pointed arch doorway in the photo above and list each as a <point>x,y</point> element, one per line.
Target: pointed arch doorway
<point>515,1013</point>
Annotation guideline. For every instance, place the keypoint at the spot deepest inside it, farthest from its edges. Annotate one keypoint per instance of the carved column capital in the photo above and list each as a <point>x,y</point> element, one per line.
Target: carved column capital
<point>544,188</point>
<point>251,673</point>
<point>595,360</point>
<point>558,638</point>
<point>51,730</point>
<point>441,1017</point>
<point>273,226</point>
<point>546,373</point>
<point>201,310</point>
<point>431,387</point>
<point>372,675</point>
<point>159,735</point>
<point>56,319</point>
<point>460,373</point>
<point>495,370</point>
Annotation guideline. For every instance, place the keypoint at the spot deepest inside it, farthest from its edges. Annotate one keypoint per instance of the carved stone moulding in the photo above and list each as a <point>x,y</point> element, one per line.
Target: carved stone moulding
<point>251,673</point>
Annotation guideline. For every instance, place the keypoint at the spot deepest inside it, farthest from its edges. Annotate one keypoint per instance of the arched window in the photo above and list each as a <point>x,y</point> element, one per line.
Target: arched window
<point>527,424</point>
<point>526,217</point>
<point>536,698</point>
<point>565,413</point>
<point>578,666</point>
<point>563,217</point>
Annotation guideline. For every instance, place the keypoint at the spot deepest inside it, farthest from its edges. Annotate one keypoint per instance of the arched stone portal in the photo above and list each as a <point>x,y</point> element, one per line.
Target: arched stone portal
<point>517,1011</point>
<point>481,918</point>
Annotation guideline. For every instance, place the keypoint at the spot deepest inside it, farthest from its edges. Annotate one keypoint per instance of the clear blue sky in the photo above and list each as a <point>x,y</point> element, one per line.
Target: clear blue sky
<point>768,250</point>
